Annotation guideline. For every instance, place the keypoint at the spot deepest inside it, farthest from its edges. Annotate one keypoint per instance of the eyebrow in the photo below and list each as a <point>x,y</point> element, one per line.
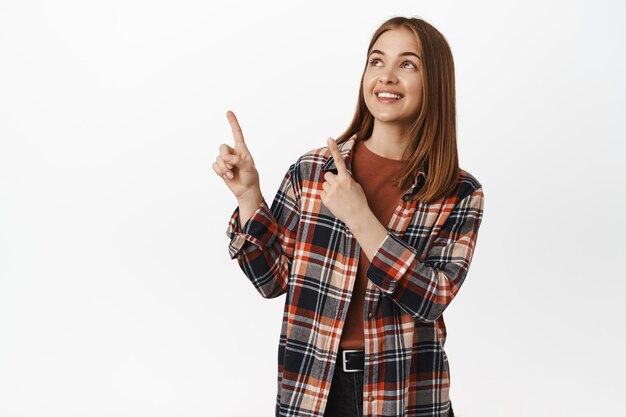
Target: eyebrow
<point>402,54</point>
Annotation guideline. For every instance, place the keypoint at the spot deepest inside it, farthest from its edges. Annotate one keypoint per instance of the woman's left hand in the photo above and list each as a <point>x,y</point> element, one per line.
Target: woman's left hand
<point>343,196</point>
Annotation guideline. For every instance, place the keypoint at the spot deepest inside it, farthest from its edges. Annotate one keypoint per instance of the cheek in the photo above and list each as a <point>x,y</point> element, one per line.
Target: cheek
<point>366,89</point>
<point>418,87</point>
<point>368,82</point>
<point>416,91</point>
<point>367,94</point>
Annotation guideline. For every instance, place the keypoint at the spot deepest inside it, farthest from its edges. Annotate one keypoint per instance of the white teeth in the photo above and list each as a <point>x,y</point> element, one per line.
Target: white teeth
<point>389,95</point>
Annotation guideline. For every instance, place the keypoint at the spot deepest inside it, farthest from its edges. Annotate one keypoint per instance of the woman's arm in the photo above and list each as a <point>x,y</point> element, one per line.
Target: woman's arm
<point>423,289</point>
<point>264,245</point>
<point>247,206</point>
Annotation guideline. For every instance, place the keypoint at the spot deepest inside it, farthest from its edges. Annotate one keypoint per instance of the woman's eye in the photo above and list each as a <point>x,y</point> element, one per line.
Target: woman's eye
<point>374,60</point>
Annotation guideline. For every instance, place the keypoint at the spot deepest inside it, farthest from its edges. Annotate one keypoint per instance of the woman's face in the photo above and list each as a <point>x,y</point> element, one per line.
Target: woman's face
<point>394,65</point>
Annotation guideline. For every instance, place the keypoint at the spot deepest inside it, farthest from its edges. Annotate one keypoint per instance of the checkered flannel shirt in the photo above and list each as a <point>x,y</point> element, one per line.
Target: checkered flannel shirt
<point>299,248</point>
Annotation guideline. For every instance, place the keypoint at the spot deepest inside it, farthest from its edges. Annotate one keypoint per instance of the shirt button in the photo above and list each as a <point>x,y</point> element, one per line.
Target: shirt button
<point>370,315</point>
<point>406,198</point>
<point>372,357</point>
<point>370,398</point>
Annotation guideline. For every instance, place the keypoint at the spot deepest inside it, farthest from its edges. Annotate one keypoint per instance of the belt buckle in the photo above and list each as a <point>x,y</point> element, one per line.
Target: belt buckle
<point>345,361</point>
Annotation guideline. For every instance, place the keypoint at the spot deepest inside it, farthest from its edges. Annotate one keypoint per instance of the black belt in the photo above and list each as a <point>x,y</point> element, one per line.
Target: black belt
<point>351,360</point>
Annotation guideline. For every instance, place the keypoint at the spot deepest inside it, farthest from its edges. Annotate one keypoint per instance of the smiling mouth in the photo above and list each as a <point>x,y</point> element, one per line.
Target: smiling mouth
<point>388,99</point>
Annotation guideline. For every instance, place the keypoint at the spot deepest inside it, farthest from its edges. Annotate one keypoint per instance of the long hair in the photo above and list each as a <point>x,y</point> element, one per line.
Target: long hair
<point>433,133</point>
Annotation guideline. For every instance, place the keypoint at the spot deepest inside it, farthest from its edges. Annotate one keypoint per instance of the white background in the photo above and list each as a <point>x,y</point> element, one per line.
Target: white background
<point>117,294</point>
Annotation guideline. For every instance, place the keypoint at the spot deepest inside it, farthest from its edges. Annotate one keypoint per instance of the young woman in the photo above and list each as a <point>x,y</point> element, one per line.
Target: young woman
<point>369,237</point>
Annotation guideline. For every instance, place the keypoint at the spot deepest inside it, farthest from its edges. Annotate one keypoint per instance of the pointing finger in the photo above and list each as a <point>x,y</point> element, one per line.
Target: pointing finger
<point>237,133</point>
<point>339,162</point>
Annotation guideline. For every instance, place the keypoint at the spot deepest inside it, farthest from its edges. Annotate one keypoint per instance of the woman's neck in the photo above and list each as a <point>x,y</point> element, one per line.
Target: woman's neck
<point>388,141</point>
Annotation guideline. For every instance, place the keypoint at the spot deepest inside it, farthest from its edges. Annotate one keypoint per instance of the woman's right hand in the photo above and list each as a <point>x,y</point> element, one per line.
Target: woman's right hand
<point>236,166</point>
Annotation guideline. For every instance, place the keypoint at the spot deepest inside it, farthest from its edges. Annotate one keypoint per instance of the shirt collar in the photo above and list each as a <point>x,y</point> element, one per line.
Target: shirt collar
<point>346,148</point>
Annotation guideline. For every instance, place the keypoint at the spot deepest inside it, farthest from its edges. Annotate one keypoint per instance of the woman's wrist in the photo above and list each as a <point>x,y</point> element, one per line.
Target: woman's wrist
<point>254,194</point>
<point>361,219</point>
<point>368,231</point>
<point>248,204</point>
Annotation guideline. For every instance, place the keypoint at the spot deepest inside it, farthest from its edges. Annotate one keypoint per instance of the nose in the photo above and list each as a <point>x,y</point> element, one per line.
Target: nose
<point>388,75</point>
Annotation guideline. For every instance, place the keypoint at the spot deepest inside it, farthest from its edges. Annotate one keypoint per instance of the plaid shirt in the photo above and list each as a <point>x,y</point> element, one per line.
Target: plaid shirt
<point>300,248</point>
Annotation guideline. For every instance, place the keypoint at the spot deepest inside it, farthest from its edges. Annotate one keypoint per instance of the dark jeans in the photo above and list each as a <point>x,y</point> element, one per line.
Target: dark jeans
<point>346,394</point>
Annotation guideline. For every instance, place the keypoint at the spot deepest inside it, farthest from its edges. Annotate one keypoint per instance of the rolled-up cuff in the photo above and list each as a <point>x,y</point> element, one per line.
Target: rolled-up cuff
<point>390,263</point>
<point>259,230</point>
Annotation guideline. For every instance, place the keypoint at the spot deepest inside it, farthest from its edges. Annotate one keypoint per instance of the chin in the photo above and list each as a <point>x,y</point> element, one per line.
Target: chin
<point>386,118</point>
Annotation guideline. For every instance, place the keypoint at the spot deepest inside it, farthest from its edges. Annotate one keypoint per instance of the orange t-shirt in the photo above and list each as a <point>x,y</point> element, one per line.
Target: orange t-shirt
<point>374,173</point>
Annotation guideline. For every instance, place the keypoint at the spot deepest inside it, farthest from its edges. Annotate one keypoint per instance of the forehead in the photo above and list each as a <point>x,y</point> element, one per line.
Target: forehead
<point>395,41</point>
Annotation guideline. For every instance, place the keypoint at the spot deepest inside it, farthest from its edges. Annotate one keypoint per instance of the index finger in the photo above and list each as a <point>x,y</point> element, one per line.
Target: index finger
<point>339,162</point>
<point>234,125</point>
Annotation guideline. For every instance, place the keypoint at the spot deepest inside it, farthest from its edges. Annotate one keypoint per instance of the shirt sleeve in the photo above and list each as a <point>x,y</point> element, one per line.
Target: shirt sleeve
<point>425,289</point>
<point>264,246</point>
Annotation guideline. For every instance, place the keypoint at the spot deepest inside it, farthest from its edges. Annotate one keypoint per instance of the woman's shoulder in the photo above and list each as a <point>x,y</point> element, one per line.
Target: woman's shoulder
<point>467,184</point>
<point>313,159</point>
<point>317,157</point>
